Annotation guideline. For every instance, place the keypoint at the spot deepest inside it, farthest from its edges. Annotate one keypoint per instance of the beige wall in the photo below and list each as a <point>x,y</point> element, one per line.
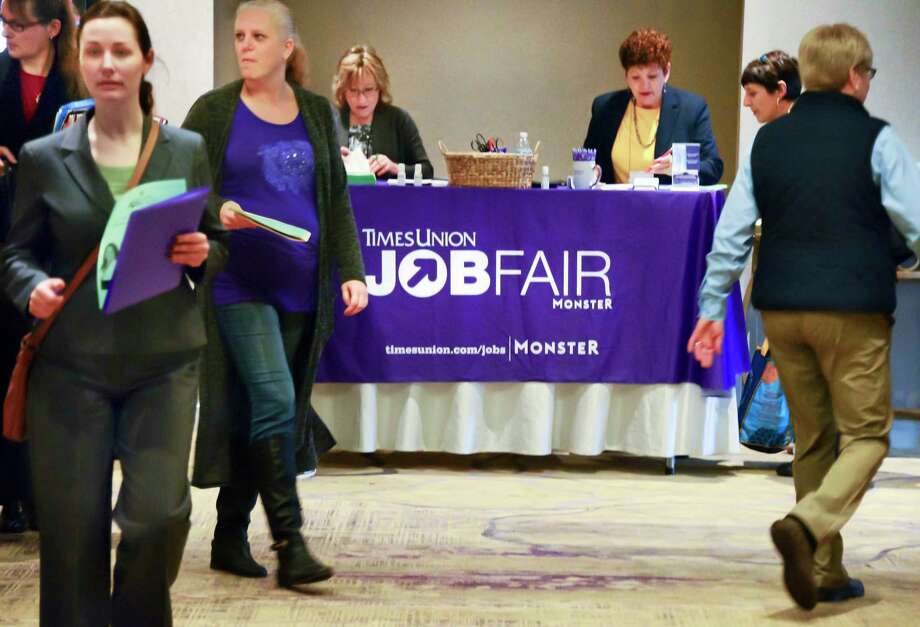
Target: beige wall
<point>503,66</point>
<point>184,49</point>
<point>893,29</point>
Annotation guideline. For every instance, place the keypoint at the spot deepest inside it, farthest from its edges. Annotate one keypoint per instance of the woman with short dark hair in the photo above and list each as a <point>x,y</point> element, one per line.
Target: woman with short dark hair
<point>771,85</point>
<point>632,129</point>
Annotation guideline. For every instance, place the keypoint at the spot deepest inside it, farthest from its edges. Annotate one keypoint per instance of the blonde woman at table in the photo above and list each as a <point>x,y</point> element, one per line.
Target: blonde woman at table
<point>385,133</point>
<point>633,129</point>
<point>272,151</point>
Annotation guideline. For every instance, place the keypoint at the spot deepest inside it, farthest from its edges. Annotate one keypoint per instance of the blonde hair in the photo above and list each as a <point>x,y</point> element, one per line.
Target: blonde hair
<point>298,69</point>
<point>828,52</point>
<point>354,63</point>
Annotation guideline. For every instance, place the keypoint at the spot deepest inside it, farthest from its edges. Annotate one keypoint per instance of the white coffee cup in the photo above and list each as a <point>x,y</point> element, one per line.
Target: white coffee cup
<point>585,175</point>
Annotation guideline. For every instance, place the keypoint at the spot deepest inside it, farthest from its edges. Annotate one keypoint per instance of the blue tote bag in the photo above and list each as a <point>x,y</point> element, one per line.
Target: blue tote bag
<point>763,414</point>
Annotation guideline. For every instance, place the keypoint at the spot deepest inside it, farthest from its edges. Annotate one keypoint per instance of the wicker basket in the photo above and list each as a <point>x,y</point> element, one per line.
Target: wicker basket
<point>490,169</point>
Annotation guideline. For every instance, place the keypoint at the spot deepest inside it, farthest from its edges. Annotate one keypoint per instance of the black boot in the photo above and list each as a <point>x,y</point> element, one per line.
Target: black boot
<point>230,547</point>
<point>272,460</point>
<point>12,520</point>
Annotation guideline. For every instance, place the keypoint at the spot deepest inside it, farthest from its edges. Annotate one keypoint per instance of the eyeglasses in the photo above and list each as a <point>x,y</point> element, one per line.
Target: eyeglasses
<point>871,72</point>
<point>367,92</point>
<point>18,27</point>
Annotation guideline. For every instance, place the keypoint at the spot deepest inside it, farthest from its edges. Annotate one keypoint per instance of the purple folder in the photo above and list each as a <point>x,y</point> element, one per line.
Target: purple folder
<point>143,269</point>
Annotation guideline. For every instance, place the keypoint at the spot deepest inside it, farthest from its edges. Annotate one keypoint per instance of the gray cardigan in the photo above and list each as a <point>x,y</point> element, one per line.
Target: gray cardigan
<point>223,403</point>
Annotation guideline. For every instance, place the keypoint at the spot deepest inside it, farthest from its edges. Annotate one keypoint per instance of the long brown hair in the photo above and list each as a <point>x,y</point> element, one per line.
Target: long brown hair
<point>298,67</point>
<point>64,43</point>
<point>127,12</point>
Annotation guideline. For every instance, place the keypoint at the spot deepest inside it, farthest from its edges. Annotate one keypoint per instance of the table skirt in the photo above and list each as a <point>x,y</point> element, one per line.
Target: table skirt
<point>531,418</point>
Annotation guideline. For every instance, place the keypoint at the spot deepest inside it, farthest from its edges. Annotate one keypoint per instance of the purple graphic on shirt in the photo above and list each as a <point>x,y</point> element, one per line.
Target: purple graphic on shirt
<point>270,170</point>
<point>287,165</point>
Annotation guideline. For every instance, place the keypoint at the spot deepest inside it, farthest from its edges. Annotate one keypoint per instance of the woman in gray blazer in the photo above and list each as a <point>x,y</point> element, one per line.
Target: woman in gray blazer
<point>106,387</point>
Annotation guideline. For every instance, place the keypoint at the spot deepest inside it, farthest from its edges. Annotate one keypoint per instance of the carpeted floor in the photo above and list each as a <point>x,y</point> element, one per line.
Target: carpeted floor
<point>507,540</point>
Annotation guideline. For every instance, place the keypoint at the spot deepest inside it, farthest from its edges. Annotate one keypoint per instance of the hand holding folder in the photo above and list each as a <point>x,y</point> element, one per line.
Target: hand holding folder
<point>232,216</point>
<point>143,267</point>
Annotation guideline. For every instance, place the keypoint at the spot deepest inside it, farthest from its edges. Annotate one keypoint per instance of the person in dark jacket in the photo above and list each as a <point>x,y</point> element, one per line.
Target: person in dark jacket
<point>269,313</point>
<point>385,133</point>
<point>633,129</point>
<point>825,283</point>
<point>38,74</point>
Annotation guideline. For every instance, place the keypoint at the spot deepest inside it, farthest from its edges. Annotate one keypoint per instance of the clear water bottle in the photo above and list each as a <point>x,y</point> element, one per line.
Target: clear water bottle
<point>523,147</point>
<point>544,180</point>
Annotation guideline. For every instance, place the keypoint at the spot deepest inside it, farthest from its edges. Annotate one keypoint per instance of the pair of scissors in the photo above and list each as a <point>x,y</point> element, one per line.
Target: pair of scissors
<point>486,144</point>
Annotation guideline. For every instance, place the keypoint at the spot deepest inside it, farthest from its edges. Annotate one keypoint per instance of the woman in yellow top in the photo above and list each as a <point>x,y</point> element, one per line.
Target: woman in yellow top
<point>633,129</point>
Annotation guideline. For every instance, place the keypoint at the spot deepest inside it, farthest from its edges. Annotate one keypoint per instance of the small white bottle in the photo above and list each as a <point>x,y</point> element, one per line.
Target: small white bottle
<point>544,180</point>
<point>401,174</point>
<point>417,175</point>
<point>523,147</point>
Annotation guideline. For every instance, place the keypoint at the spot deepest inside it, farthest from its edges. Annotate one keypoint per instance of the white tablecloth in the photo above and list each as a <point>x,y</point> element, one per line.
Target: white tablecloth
<point>530,418</point>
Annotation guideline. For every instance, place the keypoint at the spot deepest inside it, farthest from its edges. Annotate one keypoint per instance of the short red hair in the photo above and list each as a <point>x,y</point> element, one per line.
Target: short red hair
<point>644,47</point>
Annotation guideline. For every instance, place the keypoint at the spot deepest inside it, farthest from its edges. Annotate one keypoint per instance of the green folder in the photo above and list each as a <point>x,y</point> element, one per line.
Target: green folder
<point>361,179</point>
<point>283,229</point>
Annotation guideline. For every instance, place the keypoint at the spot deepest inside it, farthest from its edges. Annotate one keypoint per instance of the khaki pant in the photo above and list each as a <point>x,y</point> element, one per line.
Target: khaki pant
<point>835,372</point>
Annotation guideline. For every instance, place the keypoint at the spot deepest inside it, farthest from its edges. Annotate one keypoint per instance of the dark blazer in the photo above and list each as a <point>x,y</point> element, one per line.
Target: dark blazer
<point>60,212</point>
<point>14,131</point>
<point>684,118</point>
<point>394,134</point>
<point>223,403</point>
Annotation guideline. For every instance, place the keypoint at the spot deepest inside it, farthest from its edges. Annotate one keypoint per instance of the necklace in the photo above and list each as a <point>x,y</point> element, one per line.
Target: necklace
<point>635,120</point>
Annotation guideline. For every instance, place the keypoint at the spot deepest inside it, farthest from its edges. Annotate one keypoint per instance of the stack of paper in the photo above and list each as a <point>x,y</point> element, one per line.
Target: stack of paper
<point>358,169</point>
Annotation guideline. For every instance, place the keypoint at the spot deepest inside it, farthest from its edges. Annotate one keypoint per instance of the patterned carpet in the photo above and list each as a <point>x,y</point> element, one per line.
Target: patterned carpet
<point>505,540</point>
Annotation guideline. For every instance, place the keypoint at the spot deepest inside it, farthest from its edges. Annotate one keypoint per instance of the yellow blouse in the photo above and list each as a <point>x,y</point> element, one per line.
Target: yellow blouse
<point>627,153</point>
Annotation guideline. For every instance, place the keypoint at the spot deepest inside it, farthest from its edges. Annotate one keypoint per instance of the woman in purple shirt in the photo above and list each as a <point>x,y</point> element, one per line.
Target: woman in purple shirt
<point>273,152</point>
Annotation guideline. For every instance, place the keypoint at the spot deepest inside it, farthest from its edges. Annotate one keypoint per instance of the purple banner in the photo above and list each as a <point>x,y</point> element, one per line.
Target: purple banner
<point>531,285</point>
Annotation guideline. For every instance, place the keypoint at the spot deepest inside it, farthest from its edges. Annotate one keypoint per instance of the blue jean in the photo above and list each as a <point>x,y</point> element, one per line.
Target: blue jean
<point>262,342</point>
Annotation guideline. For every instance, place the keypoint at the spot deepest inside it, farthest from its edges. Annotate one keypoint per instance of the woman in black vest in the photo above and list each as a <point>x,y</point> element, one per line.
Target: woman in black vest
<point>38,74</point>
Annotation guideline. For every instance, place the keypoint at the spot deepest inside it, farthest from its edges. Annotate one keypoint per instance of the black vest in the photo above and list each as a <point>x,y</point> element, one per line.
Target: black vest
<point>826,236</point>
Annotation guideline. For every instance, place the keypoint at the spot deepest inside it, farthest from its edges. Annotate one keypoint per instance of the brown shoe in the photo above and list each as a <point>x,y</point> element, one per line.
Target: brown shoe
<point>796,547</point>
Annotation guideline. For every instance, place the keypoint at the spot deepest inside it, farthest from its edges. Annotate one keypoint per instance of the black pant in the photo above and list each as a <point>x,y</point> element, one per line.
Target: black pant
<point>83,414</point>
